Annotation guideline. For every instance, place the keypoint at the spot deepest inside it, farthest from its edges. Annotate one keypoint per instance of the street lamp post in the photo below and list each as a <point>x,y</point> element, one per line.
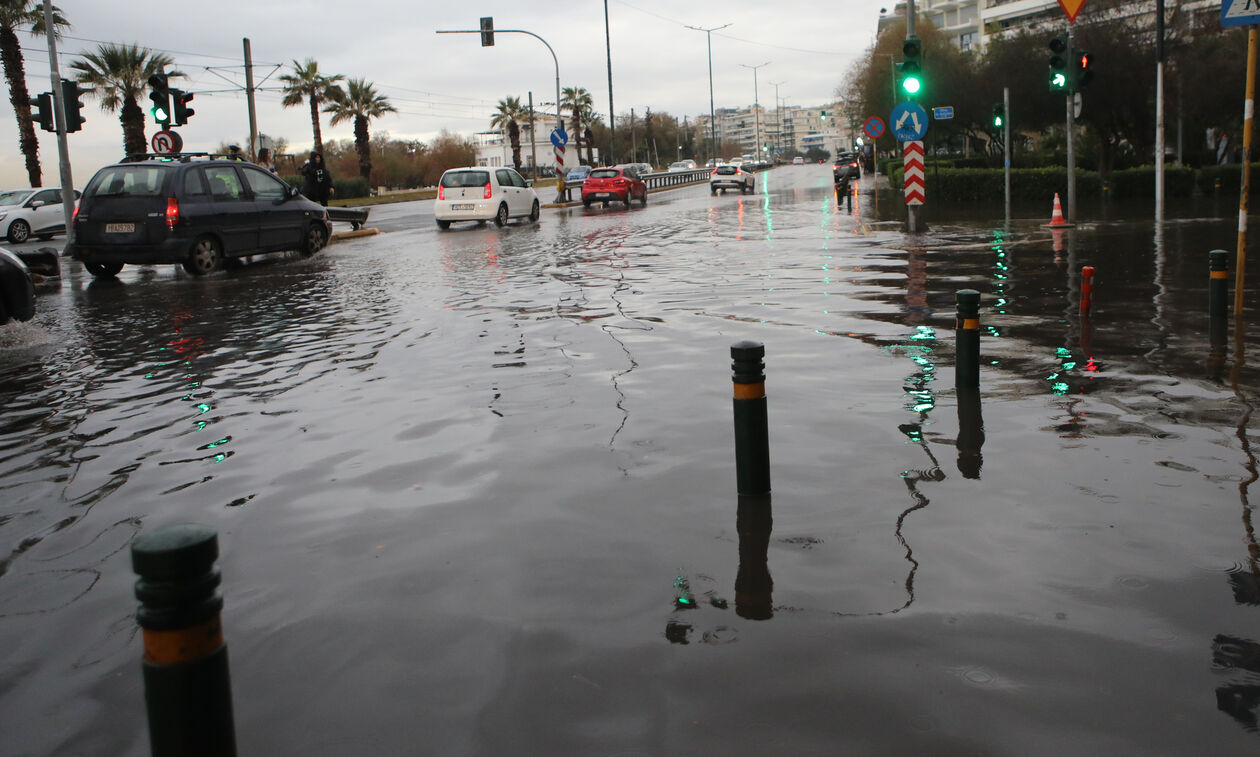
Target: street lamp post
<point>756,109</point>
<point>778,117</point>
<point>708,33</point>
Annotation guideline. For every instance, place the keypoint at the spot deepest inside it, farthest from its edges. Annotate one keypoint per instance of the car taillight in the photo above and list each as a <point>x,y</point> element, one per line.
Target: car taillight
<point>172,212</point>
<point>738,172</point>
<point>486,196</point>
<point>441,193</point>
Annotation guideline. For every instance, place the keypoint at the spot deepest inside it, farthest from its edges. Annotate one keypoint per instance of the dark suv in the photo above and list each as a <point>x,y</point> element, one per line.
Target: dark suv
<point>194,209</point>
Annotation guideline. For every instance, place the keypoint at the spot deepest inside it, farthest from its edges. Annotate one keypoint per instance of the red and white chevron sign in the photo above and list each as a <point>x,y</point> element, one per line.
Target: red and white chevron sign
<point>916,189</point>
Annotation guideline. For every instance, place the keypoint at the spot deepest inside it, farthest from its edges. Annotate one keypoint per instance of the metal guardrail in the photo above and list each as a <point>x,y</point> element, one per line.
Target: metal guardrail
<point>356,217</point>
<point>654,180</point>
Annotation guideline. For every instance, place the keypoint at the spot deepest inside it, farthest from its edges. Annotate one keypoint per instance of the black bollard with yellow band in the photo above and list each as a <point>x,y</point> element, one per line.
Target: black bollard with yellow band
<point>1218,280</point>
<point>752,436</point>
<point>187,691</point>
<point>967,339</point>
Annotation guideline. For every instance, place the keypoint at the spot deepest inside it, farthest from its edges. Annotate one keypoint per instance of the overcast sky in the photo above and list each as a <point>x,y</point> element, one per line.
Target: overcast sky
<point>446,81</point>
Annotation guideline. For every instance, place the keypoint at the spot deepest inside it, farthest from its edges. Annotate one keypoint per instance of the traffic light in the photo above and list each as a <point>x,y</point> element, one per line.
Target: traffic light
<point>823,115</point>
<point>487,31</point>
<point>71,104</point>
<point>161,97</point>
<point>912,67</point>
<point>1084,73</point>
<point>181,111</point>
<point>42,112</point>
<point>1060,71</point>
<point>999,116</point>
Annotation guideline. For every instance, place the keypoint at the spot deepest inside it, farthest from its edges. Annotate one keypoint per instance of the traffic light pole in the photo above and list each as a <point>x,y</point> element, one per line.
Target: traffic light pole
<point>59,111</point>
<point>912,211</point>
<point>1069,99</point>
<point>1006,146</point>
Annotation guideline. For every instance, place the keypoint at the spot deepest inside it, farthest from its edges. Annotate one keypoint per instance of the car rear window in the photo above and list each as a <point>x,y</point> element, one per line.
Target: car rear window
<point>605,173</point>
<point>727,170</point>
<point>128,181</point>
<point>465,179</point>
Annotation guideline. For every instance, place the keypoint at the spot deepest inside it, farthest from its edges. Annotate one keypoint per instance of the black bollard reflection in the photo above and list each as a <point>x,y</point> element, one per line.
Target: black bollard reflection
<point>1241,701</point>
<point>753,584</point>
<point>970,433</point>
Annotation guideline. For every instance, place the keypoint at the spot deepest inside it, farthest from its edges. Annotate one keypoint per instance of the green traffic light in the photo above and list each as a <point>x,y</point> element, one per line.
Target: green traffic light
<point>1058,81</point>
<point>159,115</point>
<point>911,84</point>
<point>997,121</point>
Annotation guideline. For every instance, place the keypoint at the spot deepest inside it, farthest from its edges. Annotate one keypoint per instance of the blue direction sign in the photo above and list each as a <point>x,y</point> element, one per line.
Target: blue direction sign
<point>559,137</point>
<point>1240,12</point>
<point>943,113</point>
<point>909,121</point>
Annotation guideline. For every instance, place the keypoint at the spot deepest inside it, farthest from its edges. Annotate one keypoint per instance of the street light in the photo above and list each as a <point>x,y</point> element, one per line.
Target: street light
<point>708,33</point>
<point>778,116</point>
<point>756,108</point>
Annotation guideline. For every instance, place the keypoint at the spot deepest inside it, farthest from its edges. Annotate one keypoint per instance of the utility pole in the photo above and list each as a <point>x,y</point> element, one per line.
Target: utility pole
<point>708,34</point>
<point>59,113</point>
<point>1159,111</point>
<point>912,211</point>
<point>778,117</point>
<point>612,117</point>
<point>756,110</point>
<point>1070,99</point>
<point>1006,146</point>
<point>634,147</point>
<point>533,136</point>
<point>249,98</point>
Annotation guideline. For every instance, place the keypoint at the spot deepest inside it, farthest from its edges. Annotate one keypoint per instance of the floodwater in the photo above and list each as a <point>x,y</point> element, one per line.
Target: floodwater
<point>475,490</point>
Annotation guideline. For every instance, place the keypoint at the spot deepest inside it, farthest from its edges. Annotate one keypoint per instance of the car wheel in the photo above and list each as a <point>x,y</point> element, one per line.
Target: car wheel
<point>19,231</point>
<point>605,203</point>
<point>315,240</point>
<point>534,213</point>
<point>205,257</point>
<point>713,191</point>
<point>443,225</point>
<point>627,198</point>
<point>586,204</point>
<point>643,200</point>
<point>501,217</point>
<point>103,270</point>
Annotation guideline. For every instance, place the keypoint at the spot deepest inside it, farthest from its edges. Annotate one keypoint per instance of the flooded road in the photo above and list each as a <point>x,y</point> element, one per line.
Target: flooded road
<point>475,490</point>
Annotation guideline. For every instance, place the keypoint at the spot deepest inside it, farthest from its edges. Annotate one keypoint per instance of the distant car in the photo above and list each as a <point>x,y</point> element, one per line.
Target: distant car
<point>26,213</point>
<point>577,175</point>
<point>846,168</point>
<point>729,176</point>
<point>736,161</point>
<point>482,194</point>
<point>711,163</point>
<point>643,169</point>
<point>201,211</point>
<point>798,161</point>
<point>682,165</point>
<point>624,183</point>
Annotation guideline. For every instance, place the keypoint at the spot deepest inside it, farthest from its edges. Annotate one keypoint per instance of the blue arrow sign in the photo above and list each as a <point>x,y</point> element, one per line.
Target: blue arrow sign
<point>909,121</point>
<point>1240,12</point>
<point>559,137</point>
<point>943,113</point>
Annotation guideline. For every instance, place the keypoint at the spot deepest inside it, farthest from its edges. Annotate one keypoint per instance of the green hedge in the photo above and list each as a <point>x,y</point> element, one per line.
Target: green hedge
<point>1228,177</point>
<point>989,184</point>
<point>1179,181</point>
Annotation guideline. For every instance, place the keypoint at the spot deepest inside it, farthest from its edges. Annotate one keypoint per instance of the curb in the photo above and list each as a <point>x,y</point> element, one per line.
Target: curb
<point>354,234</point>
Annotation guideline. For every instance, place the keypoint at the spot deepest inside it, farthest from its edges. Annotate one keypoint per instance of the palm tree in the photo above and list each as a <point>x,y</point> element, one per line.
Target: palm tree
<point>308,84</point>
<point>359,103</point>
<point>580,104</point>
<point>118,75</point>
<point>15,15</point>
<point>505,118</point>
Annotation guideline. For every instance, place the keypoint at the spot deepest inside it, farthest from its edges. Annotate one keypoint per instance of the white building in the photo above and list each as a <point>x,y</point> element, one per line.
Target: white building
<point>495,149</point>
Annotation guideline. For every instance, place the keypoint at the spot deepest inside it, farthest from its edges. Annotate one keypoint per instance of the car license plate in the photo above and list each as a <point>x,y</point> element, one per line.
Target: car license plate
<point>120,228</point>
<point>464,206</point>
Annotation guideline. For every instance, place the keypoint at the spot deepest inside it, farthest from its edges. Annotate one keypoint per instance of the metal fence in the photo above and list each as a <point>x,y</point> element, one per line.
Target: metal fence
<point>655,180</point>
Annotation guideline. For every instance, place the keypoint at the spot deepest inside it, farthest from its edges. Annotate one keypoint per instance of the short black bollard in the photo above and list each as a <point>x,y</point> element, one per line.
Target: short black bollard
<point>967,339</point>
<point>1218,272</point>
<point>186,688</point>
<point>752,435</point>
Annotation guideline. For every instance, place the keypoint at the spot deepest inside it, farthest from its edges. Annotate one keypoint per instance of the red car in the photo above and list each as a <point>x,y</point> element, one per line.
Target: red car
<point>614,183</point>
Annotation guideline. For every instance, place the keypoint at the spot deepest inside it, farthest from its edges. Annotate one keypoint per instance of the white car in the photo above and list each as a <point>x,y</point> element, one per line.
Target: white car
<point>682,165</point>
<point>482,194</point>
<point>798,161</point>
<point>730,176</point>
<point>26,213</point>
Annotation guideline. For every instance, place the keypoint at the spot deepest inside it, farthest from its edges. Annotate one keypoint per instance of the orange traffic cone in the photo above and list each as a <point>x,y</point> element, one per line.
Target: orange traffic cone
<point>1056,217</point>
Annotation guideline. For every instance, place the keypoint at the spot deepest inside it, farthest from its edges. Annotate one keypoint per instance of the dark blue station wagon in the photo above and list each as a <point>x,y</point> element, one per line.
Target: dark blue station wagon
<point>194,210</point>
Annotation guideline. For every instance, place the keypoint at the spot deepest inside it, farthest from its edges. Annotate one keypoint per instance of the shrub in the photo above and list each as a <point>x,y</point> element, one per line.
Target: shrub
<point>1140,182</point>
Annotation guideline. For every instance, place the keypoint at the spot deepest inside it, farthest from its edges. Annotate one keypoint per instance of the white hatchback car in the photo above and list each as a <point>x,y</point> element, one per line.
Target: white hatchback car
<point>482,194</point>
<point>26,213</point>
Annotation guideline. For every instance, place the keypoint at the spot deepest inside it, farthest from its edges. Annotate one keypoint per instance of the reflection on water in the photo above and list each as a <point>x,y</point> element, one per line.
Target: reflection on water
<point>513,445</point>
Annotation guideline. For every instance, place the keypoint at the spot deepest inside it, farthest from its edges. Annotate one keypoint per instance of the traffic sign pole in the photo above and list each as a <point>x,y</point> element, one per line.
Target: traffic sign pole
<point>1071,151</point>
<point>1248,109</point>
